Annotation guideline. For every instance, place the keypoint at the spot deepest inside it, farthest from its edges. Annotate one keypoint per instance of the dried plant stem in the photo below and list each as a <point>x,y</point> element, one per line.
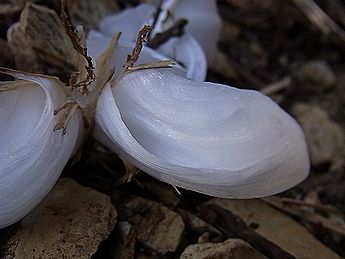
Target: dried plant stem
<point>134,56</point>
<point>80,48</point>
<point>176,30</point>
<point>276,86</point>
<point>319,18</point>
<point>69,109</point>
<point>141,38</point>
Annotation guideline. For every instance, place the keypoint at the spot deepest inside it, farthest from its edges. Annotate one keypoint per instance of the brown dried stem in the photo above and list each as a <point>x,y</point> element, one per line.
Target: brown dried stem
<point>176,30</point>
<point>142,35</point>
<point>79,47</point>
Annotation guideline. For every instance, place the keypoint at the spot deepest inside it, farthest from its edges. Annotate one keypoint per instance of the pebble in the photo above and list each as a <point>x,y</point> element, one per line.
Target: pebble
<point>157,227</point>
<point>325,138</point>
<point>231,248</point>
<point>318,72</point>
<point>123,241</point>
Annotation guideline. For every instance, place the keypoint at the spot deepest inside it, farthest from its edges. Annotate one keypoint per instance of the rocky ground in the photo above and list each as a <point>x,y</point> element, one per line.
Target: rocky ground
<point>291,51</point>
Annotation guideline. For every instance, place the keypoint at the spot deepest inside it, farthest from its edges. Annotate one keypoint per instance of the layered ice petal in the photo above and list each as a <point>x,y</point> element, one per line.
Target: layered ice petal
<point>210,138</point>
<point>32,155</point>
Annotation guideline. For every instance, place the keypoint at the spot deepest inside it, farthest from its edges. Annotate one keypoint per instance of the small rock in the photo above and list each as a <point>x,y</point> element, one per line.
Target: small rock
<point>12,6</point>
<point>7,58</point>
<point>224,66</point>
<point>162,192</point>
<point>70,222</point>
<point>157,227</point>
<point>318,72</point>
<point>89,13</point>
<point>123,243</point>
<point>197,225</point>
<point>231,248</point>
<point>230,32</point>
<point>325,138</point>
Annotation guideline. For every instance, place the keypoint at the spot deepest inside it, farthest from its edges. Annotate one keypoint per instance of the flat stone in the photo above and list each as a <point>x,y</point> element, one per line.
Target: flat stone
<point>276,227</point>
<point>231,248</point>
<point>162,192</point>
<point>39,38</point>
<point>89,13</point>
<point>157,227</point>
<point>197,225</point>
<point>319,73</point>
<point>70,222</point>
<point>325,138</point>
<point>230,32</point>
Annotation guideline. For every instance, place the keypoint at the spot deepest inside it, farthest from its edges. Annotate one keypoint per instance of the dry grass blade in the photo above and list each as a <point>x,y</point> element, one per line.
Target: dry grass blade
<point>319,18</point>
<point>276,86</point>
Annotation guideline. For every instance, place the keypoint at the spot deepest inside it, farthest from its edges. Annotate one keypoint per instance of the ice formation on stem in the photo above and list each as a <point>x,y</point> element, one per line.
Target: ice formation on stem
<point>206,137</point>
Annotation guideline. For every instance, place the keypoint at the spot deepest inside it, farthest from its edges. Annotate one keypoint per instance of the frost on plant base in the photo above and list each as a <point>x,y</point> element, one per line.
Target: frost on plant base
<point>88,83</point>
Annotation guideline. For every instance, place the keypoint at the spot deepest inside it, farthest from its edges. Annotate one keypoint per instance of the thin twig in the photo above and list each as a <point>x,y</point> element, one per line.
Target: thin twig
<point>319,18</point>
<point>276,86</point>
<point>134,56</point>
<point>177,30</point>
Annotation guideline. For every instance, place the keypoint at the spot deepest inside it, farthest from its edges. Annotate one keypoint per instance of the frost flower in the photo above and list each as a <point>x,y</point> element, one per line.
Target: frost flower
<point>210,138</point>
